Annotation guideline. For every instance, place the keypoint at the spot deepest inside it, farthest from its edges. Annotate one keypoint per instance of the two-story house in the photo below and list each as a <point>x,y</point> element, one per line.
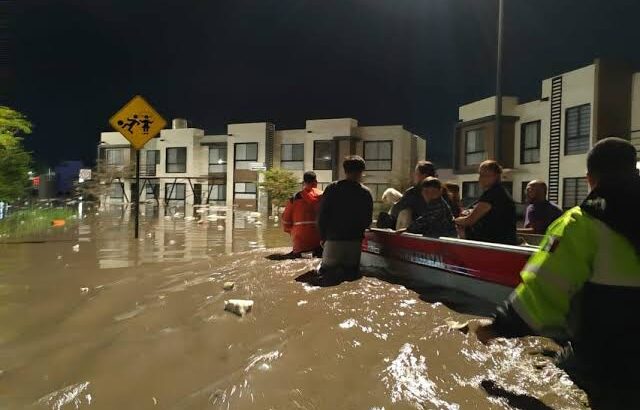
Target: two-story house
<point>549,138</point>
<point>184,166</point>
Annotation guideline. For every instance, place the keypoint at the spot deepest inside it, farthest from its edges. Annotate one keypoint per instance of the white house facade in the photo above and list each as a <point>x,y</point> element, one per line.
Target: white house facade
<point>183,166</point>
<point>548,139</point>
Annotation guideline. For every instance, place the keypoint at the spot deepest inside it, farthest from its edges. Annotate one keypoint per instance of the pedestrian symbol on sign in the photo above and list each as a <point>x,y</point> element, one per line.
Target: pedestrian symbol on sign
<point>131,122</point>
<point>138,122</point>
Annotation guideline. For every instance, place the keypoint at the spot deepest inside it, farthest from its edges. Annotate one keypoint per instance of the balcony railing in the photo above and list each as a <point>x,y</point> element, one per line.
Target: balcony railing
<point>148,170</point>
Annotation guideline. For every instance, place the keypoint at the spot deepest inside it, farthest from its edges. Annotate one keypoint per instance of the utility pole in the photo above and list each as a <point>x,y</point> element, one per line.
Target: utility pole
<point>498,133</point>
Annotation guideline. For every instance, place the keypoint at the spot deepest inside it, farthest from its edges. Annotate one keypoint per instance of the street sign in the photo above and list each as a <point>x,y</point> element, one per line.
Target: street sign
<point>85,174</point>
<point>138,122</point>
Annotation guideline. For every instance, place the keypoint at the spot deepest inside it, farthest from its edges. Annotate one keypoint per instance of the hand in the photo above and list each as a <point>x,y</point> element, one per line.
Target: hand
<point>322,243</point>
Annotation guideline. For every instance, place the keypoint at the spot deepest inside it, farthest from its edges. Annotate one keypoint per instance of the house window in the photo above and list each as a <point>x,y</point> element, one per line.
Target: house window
<point>577,129</point>
<point>152,190</point>
<point>114,156</point>
<point>177,160</point>
<point>323,185</point>
<point>377,155</point>
<point>323,155</point>
<point>377,190</point>
<point>471,192</point>
<point>175,194</point>
<point>152,159</point>
<point>292,156</point>
<point>530,143</point>
<point>217,159</point>
<point>245,190</point>
<point>217,193</point>
<point>474,152</point>
<point>574,191</point>
<point>245,154</point>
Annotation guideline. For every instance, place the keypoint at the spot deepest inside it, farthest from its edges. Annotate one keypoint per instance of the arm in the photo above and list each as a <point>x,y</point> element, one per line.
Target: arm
<point>550,280</point>
<point>478,212</point>
<point>401,205</point>
<point>367,215</point>
<point>324,213</point>
<point>287,221</point>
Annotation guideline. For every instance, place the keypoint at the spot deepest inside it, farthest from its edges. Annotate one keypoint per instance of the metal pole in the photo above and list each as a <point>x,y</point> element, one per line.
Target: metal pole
<point>498,133</point>
<point>136,203</point>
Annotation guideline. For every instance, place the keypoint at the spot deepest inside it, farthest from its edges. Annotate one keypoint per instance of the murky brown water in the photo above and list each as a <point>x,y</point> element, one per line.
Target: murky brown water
<point>124,324</point>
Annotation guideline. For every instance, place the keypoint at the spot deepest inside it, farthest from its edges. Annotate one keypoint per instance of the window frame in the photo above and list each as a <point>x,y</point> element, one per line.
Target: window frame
<point>466,144</point>
<point>575,193</point>
<point>566,128</point>
<point>106,156</point>
<point>291,161</point>
<point>167,163</point>
<point>224,164</point>
<point>376,185</point>
<point>390,159</point>
<point>222,188</point>
<point>236,161</point>
<point>523,147</point>
<point>315,150</point>
<point>466,201</point>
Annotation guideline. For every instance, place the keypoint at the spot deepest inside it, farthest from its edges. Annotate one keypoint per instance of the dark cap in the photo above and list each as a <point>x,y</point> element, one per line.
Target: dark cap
<point>426,168</point>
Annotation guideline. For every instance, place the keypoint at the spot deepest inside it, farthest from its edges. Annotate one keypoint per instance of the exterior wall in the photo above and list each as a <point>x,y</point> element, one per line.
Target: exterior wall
<point>407,149</point>
<point>486,108</point>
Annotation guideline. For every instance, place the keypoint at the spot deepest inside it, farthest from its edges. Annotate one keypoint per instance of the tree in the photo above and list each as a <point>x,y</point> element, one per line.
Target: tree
<point>280,184</point>
<point>14,159</point>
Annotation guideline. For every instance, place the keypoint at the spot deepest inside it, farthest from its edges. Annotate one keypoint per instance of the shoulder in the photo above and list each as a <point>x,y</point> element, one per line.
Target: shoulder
<point>573,221</point>
<point>365,188</point>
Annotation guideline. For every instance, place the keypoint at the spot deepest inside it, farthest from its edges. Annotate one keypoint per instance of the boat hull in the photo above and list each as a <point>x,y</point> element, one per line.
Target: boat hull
<point>487,271</point>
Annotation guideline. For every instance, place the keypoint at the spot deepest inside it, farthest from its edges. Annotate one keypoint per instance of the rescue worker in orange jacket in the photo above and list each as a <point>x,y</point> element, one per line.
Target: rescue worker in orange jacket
<point>299,218</point>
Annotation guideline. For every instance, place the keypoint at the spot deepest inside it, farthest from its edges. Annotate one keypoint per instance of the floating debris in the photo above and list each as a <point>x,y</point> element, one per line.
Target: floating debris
<point>76,247</point>
<point>238,306</point>
<point>228,285</point>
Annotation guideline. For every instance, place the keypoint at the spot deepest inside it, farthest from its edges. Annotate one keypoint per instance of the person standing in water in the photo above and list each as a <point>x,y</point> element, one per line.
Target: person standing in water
<point>299,218</point>
<point>540,213</point>
<point>346,210</point>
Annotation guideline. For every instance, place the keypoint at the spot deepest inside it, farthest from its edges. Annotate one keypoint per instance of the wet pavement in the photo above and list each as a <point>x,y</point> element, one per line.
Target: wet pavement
<point>117,323</point>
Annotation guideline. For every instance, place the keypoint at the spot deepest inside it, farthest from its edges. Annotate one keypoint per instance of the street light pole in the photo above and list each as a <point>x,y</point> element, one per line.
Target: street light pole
<point>498,133</point>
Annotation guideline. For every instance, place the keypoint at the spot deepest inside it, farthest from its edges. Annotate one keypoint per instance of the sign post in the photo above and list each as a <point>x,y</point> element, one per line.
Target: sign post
<point>138,122</point>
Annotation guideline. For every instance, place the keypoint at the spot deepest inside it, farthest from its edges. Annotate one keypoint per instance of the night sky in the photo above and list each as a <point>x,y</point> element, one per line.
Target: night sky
<point>412,62</point>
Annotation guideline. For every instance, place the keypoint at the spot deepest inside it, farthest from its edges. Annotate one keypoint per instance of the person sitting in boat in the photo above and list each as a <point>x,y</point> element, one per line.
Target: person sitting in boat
<point>390,197</point>
<point>412,201</point>
<point>583,285</point>
<point>455,202</point>
<point>299,218</point>
<point>493,217</point>
<point>540,213</point>
<point>436,220</point>
<point>346,210</point>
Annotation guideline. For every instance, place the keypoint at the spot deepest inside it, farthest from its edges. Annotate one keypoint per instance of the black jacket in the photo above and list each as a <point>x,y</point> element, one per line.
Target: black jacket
<point>346,210</point>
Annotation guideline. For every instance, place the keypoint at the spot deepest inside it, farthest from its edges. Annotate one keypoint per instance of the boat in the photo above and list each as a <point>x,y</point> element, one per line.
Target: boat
<point>486,270</point>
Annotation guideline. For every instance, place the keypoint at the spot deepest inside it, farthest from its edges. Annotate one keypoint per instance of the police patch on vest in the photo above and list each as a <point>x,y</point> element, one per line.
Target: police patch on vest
<point>552,244</point>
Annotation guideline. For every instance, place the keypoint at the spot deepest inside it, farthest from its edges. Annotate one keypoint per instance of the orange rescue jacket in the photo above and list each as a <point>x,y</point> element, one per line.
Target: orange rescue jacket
<point>299,220</point>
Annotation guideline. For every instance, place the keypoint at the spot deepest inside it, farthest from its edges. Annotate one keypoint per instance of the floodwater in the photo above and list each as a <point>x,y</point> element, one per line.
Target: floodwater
<point>115,323</point>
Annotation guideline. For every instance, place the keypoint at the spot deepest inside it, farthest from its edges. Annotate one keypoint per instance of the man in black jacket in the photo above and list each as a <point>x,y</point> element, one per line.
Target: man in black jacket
<point>346,210</point>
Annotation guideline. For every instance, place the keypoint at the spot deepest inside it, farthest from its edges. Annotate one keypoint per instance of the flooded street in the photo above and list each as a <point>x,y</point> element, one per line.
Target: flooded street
<point>123,324</point>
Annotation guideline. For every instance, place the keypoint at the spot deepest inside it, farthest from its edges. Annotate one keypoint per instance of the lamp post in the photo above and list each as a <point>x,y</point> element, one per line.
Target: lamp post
<point>498,133</point>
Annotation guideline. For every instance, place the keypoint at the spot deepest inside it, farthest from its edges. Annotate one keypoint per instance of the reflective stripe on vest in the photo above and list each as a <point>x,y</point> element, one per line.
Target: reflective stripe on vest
<point>304,223</point>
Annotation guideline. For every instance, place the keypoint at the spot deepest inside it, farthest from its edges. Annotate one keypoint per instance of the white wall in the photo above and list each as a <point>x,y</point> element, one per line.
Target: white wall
<point>486,108</point>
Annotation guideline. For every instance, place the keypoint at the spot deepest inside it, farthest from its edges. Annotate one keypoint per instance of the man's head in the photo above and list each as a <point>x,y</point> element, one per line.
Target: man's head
<point>536,191</point>
<point>309,179</point>
<point>454,191</point>
<point>431,189</point>
<point>611,159</point>
<point>423,170</point>
<point>353,167</point>
<point>490,174</point>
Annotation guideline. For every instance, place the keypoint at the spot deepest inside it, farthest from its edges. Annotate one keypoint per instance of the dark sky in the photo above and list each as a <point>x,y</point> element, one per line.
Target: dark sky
<point>412,62</point>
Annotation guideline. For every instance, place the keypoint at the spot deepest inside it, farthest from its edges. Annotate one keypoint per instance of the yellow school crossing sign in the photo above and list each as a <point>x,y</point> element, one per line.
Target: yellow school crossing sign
<point>138,122</point>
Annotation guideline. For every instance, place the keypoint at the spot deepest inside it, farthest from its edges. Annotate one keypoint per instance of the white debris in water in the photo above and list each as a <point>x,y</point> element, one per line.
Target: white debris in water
<point>228,285</point>
<point>310,288</point>
<point>255,214</point>
<point>172,242</point>
<point>76,247</point>
<point>128,315</point>
<point>258,223</point>
<point>189,218</point>
<point>155,401</point>
<point>59,257</point>
<point>407,379</point>
<point>84,290</point>
<point>266,359</point>
<point>238,306</point>
<point>220,228</point>
<point>408,302</point>
<point>348,324</point>
<point>68,395</point>
<point>302,302</point>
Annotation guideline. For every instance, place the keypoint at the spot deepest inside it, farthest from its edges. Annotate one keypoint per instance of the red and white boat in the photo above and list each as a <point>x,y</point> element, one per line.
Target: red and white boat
<point>486,270</point>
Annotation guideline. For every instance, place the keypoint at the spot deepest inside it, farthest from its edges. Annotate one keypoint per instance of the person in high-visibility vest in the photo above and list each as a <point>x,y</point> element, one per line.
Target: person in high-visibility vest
<point>583,285</point>
<point>299,218</point>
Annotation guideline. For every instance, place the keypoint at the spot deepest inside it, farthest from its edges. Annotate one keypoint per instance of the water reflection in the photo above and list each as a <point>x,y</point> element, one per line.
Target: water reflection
<point>167,235</point>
